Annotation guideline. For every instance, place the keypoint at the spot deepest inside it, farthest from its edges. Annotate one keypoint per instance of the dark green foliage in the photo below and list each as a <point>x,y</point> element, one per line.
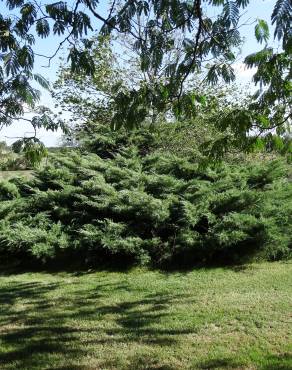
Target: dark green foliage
<point>163,209</point>
<point>175,40</point>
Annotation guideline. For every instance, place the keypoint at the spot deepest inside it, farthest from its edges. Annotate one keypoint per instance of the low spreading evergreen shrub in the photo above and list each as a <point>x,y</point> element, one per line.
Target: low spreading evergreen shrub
<point>135,206</point>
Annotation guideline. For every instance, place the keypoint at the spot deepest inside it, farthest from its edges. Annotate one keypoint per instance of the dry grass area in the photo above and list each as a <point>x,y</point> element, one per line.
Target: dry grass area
<point>6,175</point>
<point>140,319</point>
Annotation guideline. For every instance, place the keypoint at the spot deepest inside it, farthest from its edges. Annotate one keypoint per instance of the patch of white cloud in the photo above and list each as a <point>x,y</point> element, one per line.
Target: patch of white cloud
<point>242,72</point>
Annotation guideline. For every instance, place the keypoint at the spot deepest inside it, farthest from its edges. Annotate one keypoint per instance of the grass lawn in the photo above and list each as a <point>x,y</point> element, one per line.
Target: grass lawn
<point>203,319</point>
<point>6,175</point>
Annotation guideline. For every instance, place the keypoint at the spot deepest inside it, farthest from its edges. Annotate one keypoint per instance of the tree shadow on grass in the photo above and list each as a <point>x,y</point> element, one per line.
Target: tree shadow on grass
<point>35,328</point>
<point>278,362</point>
<point>220,363</point>
<point>76,269</point>
<point>270,362</point>
<point>69,265</point>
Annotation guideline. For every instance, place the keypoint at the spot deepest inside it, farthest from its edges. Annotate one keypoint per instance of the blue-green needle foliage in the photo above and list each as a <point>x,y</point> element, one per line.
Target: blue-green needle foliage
<point>133,204</point>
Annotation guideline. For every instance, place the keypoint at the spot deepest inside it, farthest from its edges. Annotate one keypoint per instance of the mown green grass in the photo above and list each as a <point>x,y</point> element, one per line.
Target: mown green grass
<point>203,319</point>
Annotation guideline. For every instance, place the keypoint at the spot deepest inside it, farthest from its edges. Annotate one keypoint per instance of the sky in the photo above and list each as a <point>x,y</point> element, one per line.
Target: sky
<point>257,9</point>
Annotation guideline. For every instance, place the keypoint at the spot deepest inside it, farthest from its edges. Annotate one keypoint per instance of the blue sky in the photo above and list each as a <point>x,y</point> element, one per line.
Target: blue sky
<point>257,9</point>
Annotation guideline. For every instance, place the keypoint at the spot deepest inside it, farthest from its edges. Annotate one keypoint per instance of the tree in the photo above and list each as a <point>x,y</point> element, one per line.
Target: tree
<point>89,97</point>
<point>90,102</point>
<point>268,114</point>
<point>202,38</point>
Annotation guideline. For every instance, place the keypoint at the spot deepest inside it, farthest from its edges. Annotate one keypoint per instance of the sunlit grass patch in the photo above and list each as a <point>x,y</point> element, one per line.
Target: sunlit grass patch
<point>203,319</point>
<point>6,175</point>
